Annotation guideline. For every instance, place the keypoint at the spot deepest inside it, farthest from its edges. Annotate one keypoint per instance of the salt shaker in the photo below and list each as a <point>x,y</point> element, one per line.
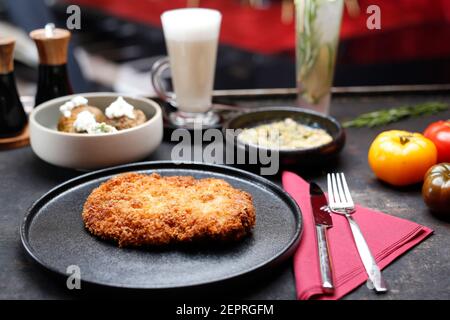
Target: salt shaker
<point>52,44</point>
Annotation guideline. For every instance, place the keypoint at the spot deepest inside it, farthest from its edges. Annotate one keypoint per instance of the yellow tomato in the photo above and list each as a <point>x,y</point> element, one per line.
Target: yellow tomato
<point>401,158</point>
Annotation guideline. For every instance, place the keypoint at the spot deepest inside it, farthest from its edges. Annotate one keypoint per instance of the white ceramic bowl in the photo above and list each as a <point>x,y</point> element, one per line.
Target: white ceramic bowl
<point>92,151</point>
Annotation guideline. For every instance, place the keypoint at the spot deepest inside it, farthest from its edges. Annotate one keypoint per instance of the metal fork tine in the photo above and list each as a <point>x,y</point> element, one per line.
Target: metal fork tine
<point>346,190</point>
<point>330,191</point>
<point>340,190</point>
<point>337,199</point>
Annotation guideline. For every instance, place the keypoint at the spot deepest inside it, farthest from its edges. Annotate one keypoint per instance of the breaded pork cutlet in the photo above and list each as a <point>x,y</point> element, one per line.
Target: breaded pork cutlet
<point>137,209</point>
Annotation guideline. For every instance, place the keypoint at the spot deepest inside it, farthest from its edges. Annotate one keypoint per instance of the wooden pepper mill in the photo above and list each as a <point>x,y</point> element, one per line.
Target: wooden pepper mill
<point>52,44</point>
<point>12,115</point>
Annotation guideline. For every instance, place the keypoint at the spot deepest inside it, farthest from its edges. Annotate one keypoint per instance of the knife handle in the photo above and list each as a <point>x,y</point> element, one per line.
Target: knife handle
<point>324,260</point>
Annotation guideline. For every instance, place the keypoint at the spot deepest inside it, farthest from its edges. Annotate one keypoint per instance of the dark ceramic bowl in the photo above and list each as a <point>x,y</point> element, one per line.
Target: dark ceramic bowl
<point>314,155</point>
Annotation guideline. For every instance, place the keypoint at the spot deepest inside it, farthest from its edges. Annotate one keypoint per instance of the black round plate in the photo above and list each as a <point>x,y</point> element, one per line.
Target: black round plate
<point>53,234</point>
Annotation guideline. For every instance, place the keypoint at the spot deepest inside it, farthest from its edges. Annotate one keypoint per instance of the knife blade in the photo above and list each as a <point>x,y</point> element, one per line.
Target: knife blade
<point>323,221</point>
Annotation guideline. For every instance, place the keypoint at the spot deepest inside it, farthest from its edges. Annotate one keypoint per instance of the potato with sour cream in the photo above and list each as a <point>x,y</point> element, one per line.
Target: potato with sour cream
<point>66,124</point>
<point>122,115</point>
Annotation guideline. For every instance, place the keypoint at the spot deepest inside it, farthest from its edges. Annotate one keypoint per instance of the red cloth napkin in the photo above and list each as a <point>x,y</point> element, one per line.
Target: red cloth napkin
<point>388,237</point>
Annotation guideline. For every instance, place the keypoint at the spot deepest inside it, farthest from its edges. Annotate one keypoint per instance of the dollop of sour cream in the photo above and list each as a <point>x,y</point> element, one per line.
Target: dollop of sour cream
<point>66,108</point>
<point>120,108</point>
<point>85,122</point>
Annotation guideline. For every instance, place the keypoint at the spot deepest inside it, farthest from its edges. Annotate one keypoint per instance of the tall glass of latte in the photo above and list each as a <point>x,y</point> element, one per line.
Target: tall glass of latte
<point>191,38</point>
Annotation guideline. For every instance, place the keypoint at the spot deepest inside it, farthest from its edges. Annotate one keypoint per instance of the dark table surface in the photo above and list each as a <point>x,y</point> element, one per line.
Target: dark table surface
<point>422,273</point>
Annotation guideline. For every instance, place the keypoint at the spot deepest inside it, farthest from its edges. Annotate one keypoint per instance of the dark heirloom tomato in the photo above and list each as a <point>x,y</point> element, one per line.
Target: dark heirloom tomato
<point>439,133</point>
<point>436,188</point>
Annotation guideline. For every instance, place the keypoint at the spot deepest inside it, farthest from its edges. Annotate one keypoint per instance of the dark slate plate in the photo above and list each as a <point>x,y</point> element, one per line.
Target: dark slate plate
<point>53,234</point>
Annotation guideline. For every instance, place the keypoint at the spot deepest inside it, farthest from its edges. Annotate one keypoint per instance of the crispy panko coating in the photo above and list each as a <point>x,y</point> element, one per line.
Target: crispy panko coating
<point>125,123</point>
<point>137,209</point>
<point>65,124</point>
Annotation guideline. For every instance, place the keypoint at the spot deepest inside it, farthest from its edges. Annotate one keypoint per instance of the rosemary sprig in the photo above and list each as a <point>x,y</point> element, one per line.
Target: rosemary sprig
<point>308,36</point>
<point>315,55</point>
<point>386,116</point>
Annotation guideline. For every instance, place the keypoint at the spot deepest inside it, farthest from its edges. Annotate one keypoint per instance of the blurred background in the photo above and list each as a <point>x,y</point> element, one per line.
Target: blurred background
<point>119,40</point>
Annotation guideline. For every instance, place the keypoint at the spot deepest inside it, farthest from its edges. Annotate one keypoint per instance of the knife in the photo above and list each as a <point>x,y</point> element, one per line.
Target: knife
<point>323,221</point>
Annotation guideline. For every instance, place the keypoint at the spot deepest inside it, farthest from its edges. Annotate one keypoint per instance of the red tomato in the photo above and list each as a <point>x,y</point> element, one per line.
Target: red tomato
<point>439,133</point>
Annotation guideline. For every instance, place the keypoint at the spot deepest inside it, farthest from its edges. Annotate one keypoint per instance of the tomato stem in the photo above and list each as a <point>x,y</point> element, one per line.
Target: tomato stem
<point>405,139</point>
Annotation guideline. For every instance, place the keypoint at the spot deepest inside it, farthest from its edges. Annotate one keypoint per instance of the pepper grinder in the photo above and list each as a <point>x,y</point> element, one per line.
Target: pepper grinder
<point>52,44</point>
<point>12,115</point>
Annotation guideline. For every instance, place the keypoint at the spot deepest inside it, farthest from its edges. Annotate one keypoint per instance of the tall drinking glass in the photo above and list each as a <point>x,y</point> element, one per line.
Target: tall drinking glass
<point>191,38</point>
<point>318,25</point>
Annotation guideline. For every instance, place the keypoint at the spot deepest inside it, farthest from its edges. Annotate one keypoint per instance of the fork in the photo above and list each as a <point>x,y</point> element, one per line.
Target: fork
<point>340,201</point>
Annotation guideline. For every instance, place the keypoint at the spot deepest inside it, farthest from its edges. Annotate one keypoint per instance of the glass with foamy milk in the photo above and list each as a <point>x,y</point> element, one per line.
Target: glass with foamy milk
<point>191,38</point>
